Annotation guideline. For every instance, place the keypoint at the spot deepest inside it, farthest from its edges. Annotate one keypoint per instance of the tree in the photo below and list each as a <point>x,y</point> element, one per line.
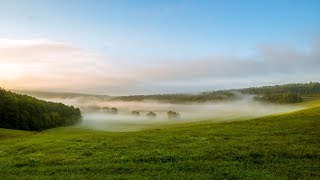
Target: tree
<point>114,110</point>
<point>151,114</point>
<point>173,115</point>
<point>135,113</point>
<point>27,113</point>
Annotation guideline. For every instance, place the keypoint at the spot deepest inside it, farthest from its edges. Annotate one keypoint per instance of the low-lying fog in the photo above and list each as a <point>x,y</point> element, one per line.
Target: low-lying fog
<point>95,117</point>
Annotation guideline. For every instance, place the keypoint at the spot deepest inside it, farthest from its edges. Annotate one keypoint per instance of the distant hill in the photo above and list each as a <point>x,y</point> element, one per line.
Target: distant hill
<point>182,98</point>
<point>63,95</point>
<point>28,113</point>
<point>304,89</point>
<point>286,93</point>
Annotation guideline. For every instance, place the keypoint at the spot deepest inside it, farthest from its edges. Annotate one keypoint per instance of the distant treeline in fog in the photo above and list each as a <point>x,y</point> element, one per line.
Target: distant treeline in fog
<point>181,98</point>
<point>288,93</point>
<point>306,89</point>
<point>62,95</point>
<point>28,113</point>
<point>281,98</point>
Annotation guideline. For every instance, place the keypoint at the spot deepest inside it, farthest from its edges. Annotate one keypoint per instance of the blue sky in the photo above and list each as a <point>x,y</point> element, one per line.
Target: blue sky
<point>150,33</point>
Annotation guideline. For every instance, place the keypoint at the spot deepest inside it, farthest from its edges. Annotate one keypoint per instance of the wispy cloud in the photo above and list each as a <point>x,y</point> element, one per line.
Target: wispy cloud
<point>50,65</point>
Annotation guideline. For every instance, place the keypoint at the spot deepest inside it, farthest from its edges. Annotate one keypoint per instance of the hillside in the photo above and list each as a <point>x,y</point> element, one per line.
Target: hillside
<point>182,98</point>
<point>27,113</point>
<point>62,95</point>
<point>304,89</point>
<point>283,94</point>
<point>274,147</point>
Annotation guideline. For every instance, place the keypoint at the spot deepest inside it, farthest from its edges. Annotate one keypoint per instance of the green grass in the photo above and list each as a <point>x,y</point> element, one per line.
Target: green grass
<point>310,101</point>
<point>273,147</point>
<point>310,98</point>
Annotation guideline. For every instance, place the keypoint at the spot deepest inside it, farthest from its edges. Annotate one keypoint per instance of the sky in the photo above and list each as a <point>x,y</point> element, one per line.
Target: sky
<point>122,47</point>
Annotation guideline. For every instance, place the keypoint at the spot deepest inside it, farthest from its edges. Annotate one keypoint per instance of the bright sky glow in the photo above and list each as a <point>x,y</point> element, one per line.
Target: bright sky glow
<point>139,46</point>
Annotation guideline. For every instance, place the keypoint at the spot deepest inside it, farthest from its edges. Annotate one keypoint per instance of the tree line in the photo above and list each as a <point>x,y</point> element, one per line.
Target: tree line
<point>27,113</point>
<point>303,89</point>
<point>181,98</point>
<point>287,93</point>
<point>284,94</point>
<point>280,98</point>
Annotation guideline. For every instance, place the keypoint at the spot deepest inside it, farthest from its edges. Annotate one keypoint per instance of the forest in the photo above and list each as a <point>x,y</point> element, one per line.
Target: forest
<point>287,93</point>
<point>27,113</point>
<point>303,89</point>
<point>181,98</point>
<point>280,98</point>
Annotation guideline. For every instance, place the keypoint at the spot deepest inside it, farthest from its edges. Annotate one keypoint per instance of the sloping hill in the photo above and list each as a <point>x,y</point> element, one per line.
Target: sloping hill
<point>62,95</point>
<point>10,134</point>
<point>276,147</point>
<point>27,113</point>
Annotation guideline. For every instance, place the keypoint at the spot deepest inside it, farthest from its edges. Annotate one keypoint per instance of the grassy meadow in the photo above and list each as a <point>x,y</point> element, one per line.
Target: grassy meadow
<point>283,146</point>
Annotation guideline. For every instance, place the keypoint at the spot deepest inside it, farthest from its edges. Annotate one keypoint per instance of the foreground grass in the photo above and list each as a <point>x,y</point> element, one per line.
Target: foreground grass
<point>274,147</point>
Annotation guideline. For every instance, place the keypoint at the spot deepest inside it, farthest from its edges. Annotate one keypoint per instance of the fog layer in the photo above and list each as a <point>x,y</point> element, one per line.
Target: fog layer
<point>97,118</point>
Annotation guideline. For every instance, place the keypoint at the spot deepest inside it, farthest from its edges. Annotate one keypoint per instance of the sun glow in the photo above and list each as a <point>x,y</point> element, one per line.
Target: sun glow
<point>10,71</point>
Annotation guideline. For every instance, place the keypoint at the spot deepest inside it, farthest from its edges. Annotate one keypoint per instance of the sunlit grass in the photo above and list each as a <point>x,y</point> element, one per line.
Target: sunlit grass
<point>280,146</point>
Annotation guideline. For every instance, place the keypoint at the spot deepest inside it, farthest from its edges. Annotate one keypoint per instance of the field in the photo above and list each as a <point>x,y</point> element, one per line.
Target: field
<point>285,146</point>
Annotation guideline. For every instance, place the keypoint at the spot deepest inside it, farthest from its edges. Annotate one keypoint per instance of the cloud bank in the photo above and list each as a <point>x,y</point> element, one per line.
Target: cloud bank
<point>58,66</point>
